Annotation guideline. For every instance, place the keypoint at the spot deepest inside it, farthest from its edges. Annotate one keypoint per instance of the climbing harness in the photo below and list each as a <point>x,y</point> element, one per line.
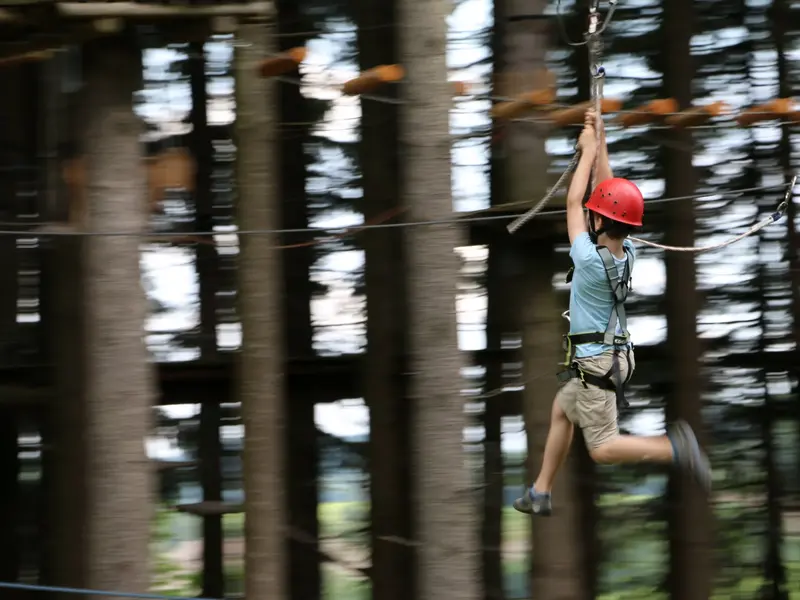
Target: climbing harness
<point>615,335</point>
<point>594,44</point>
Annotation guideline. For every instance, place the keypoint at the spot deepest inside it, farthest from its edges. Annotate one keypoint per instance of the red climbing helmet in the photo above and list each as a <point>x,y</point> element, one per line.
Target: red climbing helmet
<point>618,199</point>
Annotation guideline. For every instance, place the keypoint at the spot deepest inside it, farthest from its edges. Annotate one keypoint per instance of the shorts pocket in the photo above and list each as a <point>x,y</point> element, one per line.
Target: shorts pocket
<point>595,407</point>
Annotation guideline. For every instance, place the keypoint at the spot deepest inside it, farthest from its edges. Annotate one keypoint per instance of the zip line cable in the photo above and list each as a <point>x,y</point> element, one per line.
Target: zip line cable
<point>88,592</point>
<point>477,216</point>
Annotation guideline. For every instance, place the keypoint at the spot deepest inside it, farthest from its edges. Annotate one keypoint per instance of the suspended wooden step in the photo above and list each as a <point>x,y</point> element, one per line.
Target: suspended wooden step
<point>523,103</point>
<point>210,508</point>
<point>282,63</point>
<point>166,465</point>
<point>111,9</point>
<point>574,115</point>
<point>172,169</point>
<point>696,116</point>
<point>372,79</point>
<point>647,113</point>
<point>776,109</point>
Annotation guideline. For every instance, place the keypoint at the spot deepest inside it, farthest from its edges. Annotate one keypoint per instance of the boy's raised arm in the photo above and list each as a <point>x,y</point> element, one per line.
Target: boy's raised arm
<point>603,164</point>
<point>587,143</point>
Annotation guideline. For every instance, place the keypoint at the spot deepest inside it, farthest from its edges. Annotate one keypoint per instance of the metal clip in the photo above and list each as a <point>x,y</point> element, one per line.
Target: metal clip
<point>787,197</point>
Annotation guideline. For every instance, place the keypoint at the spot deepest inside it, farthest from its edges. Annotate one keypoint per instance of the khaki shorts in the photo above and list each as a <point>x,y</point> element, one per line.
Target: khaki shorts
<point>592,409</point>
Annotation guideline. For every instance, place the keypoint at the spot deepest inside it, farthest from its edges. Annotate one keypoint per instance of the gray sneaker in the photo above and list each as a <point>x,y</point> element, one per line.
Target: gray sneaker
<point>534,503</point>
<point>688,454</point>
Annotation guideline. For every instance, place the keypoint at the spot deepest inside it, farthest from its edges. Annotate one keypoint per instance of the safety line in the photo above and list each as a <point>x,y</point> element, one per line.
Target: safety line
<point>477,216</point>
<point>773,218</point>
<point>108,594</point>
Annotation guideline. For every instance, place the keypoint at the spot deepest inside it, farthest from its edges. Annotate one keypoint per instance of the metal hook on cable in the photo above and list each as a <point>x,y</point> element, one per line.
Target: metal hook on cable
<point>781,210</point>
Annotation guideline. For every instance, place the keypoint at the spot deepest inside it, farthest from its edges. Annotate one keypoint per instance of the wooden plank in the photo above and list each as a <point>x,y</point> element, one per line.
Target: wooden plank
<point>136,10</point>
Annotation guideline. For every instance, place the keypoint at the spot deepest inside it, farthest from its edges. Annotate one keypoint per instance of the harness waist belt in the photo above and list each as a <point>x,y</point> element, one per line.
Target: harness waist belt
<point>573,372</point>
<point>595,337</point>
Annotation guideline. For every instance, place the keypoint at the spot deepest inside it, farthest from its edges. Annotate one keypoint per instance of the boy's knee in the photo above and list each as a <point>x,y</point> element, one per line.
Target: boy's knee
<point>603,453</point>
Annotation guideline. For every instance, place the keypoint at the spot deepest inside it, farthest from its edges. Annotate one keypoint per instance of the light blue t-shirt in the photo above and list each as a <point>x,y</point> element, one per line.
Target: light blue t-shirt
<point>590,299</point>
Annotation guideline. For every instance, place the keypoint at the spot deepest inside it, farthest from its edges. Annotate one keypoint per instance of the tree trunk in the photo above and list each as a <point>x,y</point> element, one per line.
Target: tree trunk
<point>497,326</point>
<point>446,508</point>
<point>779,20</point>
<point>387,319</point>
<point>63,436</point>
<point>689,512</point>
<point>119,408</point>
<point>305,578</point>
<point>262,367</point>
<point>557,568</point>
<point>18,150</point>
<point>207,265</point>
<point>9,495</point>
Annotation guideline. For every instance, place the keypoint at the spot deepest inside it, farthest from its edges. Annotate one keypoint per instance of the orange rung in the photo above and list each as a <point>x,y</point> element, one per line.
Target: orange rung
<point>460,88</point>
<point>283,62</point>
<point>574,115</point>
<point>523,103</point>
<point>647,113</point>
<point>775,109</point>
<point>371,79</point>
<point>697,115</point>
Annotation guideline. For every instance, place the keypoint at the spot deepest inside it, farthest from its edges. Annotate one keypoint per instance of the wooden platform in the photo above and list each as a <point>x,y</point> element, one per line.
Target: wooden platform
<point>328,379</point>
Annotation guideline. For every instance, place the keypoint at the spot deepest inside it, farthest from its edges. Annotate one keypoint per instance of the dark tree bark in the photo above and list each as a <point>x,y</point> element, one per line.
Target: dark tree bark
<point>689,512</point>
<point>210,448</point>
<point>305,579</point>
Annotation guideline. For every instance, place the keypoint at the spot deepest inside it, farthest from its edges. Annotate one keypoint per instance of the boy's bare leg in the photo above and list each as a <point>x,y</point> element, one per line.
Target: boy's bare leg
<point>679,447</point>
<point>556,448</point>
<point>559,439</point>
<point>625,449</point>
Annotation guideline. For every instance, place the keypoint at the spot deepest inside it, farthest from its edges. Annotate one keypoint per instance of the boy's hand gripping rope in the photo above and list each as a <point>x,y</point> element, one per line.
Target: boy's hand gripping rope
<point>594,45</point>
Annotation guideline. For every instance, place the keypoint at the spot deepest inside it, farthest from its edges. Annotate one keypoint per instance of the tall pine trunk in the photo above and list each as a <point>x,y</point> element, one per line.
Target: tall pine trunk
<point>556,566</point>
<point>119,408</point>
<point>207,265</point>
<point>779,15</point>
<point>261,377</point>
<point>689,512</point>
<point>385,275</point>
<point>446,507</point>
<point>305,575</point>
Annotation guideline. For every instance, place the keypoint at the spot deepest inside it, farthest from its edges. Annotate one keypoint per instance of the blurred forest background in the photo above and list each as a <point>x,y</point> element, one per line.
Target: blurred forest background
<point>716,334</point>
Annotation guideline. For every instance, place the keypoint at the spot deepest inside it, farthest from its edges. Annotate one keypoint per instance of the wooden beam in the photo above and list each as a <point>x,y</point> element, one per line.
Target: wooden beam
<point>7,16</point>
<point>204,509</point>
<point>697,115</point>
<point>136,10</point>
<point>647,113</point>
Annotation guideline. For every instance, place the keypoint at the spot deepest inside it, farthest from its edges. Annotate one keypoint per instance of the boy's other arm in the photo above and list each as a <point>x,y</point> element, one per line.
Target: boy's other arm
<point>576,223</point>
<point>603,164</point>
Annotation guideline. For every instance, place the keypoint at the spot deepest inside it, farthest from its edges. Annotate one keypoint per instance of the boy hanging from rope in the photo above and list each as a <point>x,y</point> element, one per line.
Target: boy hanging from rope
<point>600,359</point>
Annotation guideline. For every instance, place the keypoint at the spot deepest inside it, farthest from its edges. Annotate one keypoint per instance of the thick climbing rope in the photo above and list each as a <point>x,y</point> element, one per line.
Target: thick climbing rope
<point>594,45</point>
